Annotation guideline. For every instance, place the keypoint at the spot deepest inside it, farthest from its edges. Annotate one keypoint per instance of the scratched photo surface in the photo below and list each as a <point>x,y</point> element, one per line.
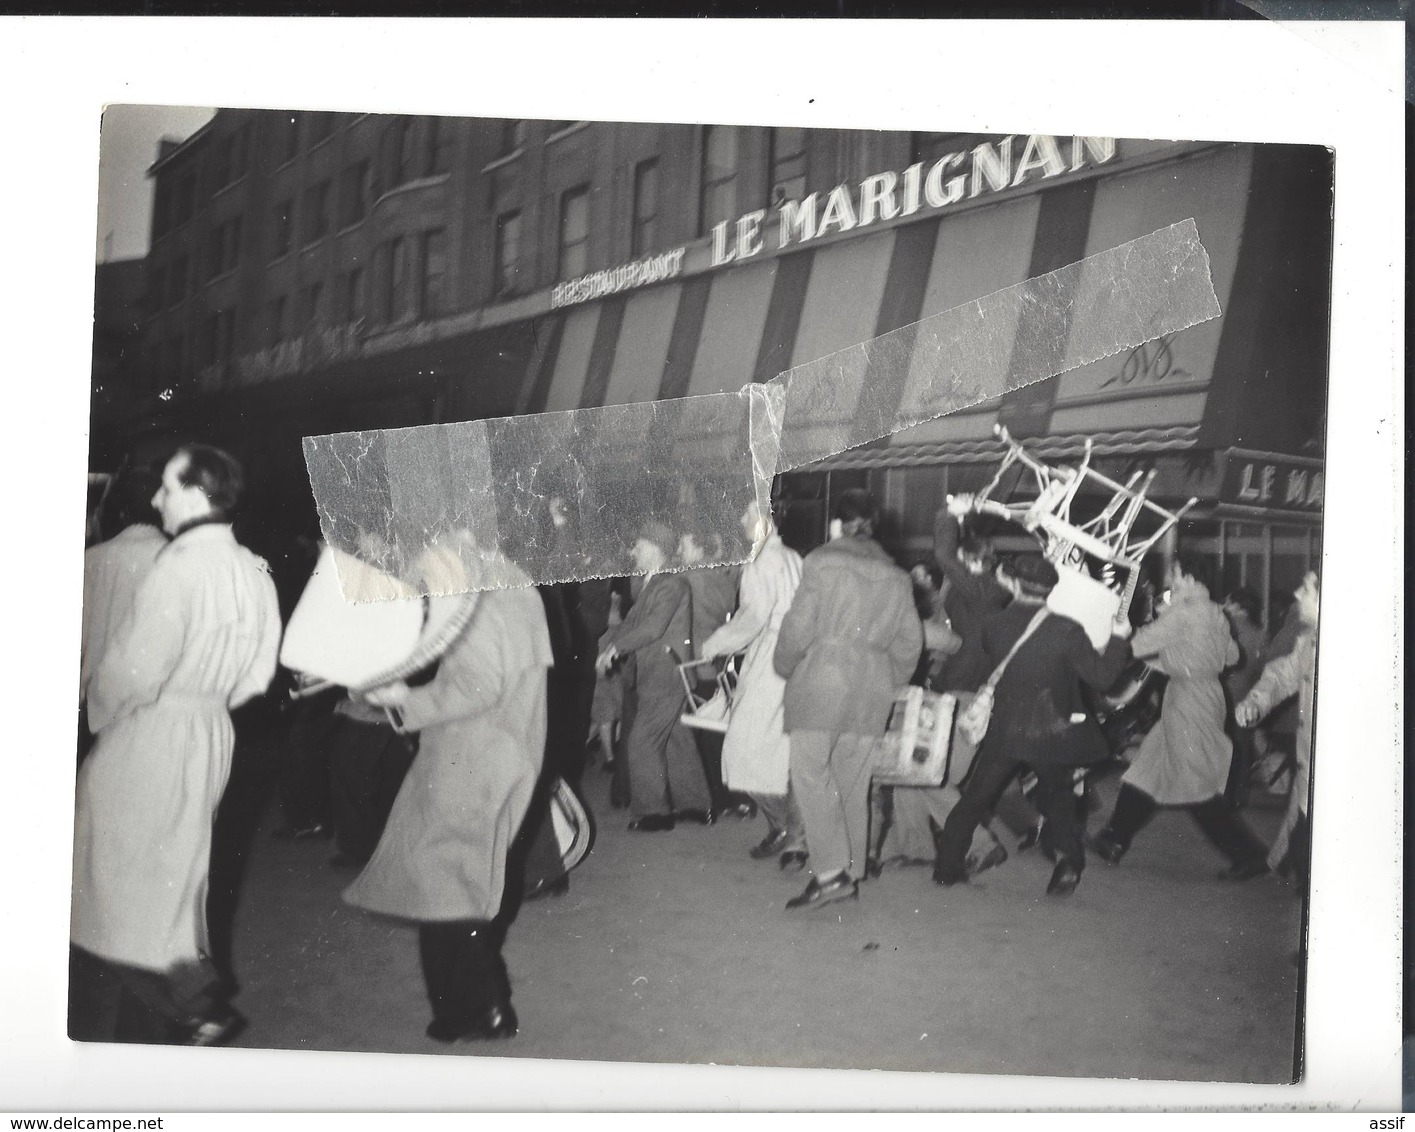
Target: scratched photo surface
<point>541,342</point>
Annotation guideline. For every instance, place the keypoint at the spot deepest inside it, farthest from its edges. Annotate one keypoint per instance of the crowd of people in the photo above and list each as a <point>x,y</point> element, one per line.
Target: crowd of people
<point>437,788</point>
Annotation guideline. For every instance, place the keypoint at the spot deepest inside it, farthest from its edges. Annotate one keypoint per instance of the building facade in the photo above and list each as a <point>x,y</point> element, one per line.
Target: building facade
<point>316,272</point>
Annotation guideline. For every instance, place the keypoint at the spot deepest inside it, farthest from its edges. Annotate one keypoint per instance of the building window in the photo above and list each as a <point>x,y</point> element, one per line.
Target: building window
<point>439,146</point>
<point>289,137</point>
<point>184,204</point>
<point>400,152</point>
<point>308,311</point>
<point>928,145</point>
<point>275,321</point>
<point>221,175</point>
<point>351,304</point>
<point>241,152</point>
<point>353,194</point>
<point>574,232</point>
<point>157,294</point>
<point>283,229</point>
<point>432,296</point>
<point>720,161</point>
<point>786,170</point>
<point>508,253</point>
<point>314,213</point>
<point>645,236</point>
<point>393,280</point>
<point>321,126</point>
<point>224,248</point>
<point>177,282</point>
<point>513,137</point>
<point>161,207</point>
<point>220,336</point>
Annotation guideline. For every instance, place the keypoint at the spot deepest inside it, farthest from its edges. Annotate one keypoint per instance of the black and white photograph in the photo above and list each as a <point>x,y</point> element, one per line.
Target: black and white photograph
<point>743,590</point>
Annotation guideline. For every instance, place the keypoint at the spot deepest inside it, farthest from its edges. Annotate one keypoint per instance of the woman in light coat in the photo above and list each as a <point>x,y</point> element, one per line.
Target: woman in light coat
<point>756,753</point>
<point>1184,760</point>
<point>442,859</point>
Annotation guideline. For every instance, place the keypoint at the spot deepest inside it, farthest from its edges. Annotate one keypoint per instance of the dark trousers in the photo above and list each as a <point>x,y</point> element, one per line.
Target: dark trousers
<point>1054,796</point>
<point>709,745</point>
<point>536,858</point>
<point>304,782</point>
<point>462,968</point>
<point>1215,818</point>
<point>113,1002</point>
<point>367,768</point>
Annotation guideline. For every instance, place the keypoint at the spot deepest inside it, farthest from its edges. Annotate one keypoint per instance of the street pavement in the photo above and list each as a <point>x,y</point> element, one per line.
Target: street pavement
<point>676,947</point>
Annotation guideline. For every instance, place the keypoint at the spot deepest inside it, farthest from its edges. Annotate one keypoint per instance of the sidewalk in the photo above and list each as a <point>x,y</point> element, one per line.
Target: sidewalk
<point>675,947</point>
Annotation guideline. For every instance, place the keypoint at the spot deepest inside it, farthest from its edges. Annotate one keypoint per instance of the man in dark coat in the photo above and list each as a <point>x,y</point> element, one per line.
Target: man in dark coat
<point>851,638</point>
<point>1039,720</point>
<point>666,781</point>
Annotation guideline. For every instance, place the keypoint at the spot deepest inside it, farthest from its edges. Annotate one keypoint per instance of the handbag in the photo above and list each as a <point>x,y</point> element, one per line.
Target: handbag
<point>976,716</point>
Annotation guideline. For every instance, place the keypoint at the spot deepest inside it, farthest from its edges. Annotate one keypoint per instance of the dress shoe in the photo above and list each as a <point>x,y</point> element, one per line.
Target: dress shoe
<point>697,817</point>
<point>1064,879</point>
<point>873,869</point>
<point>651,823</point>
<point>746,810</point>
<point>769,846</point>
<point>544,888</point>
<point>1104,846</point>
<point>496,1021</point>
<point>794,860</point>
<point>948,877</point>
<point>989,860</point>
<point>816,894</point>
<point>1245,870</point>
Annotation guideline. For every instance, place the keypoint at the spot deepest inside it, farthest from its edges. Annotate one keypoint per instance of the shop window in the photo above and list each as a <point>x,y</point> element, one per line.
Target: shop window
<point>439,146</point>
<point>512,137</point>
<point>508,254</point>
<point>314,213</point>
<point>432,286</point>
<point>353,193</point>
<point>786,167</point>
<point>289,140</point>
<point>282,228</point>
<point>275,321</point>
<point>719,177</point>
<point>574,232</point>
<point>645,236</point>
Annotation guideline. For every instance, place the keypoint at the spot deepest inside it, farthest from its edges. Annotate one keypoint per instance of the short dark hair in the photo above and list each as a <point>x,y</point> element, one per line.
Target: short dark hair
<point>1196,568</point>
<point>1034,574</point>
<point>980,548</point>
<point>857,511</point>
<point>217,473</point>
<point>1248,602</point>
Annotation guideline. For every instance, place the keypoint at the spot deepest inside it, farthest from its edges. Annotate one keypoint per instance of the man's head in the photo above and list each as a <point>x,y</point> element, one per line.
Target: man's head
<point>653,546</point>
<point>692,547</point>
<point>1308,597</point>
<point>977,555</point>
<point>1245,602</point>
<point>199,482</point>
<point>1030,576</point>
<point>755,523</point>
<point>855,515</point>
